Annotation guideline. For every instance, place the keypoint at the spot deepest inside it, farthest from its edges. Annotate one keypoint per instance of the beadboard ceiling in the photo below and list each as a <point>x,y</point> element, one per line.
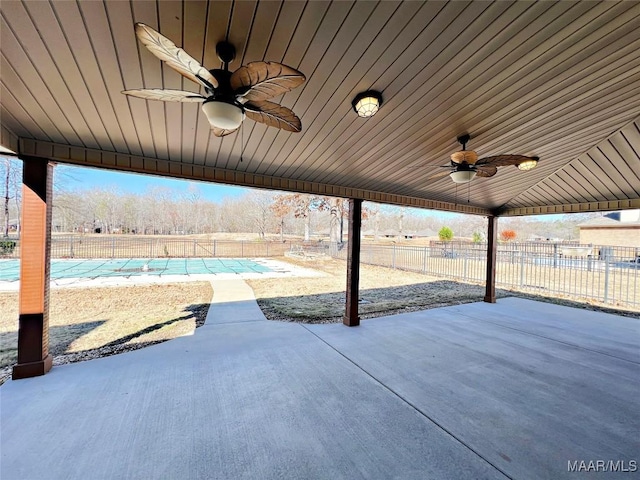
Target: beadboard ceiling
<point>557,80</point>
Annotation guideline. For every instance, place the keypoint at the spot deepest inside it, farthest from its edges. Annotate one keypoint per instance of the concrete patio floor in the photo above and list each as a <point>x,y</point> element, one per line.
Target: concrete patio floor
<point>512,390</point>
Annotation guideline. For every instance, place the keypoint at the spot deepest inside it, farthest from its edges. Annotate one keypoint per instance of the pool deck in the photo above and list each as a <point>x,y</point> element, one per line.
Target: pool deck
<point>515,389</point>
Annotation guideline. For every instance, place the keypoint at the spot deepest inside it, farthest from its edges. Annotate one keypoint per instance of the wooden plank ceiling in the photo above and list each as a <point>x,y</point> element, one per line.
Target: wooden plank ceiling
<point>557,80</point>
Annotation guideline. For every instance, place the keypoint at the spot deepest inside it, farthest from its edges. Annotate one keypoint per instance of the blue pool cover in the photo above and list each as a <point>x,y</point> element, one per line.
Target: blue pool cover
<point>10,269</point>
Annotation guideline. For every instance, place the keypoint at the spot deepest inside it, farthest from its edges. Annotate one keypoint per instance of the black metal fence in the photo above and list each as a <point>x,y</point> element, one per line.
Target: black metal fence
<point>79,246</point>
<point>604,274</point>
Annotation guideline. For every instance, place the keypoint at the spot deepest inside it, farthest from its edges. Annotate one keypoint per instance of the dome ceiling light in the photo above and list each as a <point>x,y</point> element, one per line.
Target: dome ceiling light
<point>366,104</point>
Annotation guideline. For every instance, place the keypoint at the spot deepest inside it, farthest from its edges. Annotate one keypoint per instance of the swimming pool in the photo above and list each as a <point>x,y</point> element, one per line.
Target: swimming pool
<point>90,269</point>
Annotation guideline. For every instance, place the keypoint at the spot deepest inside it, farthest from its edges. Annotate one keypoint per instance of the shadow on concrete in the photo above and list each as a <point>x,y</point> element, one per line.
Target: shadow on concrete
<point>62,337</point>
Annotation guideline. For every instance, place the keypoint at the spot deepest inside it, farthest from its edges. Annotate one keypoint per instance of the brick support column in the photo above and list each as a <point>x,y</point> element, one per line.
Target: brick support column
<point>35,248</point>
<point>351,318</point>
<point>492,254</point>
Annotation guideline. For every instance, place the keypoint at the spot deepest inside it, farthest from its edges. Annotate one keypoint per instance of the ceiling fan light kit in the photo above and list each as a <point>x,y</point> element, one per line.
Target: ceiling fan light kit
<point>226,116</point>
<point>367,104</point>
<point>528,165</point>
<point>463,176</point>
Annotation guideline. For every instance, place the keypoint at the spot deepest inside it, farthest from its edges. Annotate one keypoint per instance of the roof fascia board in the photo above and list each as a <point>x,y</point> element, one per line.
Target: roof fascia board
<point>603,206</point>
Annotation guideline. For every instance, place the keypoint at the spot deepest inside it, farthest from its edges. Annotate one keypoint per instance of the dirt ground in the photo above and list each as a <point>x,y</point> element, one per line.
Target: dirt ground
<point>383,291</point>
<point>87,323</point>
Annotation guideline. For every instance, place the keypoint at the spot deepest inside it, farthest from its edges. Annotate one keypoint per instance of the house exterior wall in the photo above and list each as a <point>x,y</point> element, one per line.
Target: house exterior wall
<point>628,236</point>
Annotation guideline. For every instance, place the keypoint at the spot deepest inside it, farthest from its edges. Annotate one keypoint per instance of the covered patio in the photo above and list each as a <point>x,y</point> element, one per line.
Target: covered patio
<point>511,390</point>
<point>555,83</point>
<point>518,389</point>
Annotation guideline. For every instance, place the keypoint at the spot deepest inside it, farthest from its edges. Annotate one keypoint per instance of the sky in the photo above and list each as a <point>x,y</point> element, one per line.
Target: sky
<point>80,178</point>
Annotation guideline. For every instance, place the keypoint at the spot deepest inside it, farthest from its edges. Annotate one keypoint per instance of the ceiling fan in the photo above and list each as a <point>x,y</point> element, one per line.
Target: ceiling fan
<point>229,95</point>
<point>465,165</point>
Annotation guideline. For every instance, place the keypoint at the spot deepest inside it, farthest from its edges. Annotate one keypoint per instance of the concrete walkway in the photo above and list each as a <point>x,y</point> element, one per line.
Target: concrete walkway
<point>512,390</point>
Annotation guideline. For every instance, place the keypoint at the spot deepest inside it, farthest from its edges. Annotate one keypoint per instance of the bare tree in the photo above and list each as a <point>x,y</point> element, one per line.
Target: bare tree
<point>301,205</point>
<point>260,202</point>
<point>335,227</point>
<point>12,184</point>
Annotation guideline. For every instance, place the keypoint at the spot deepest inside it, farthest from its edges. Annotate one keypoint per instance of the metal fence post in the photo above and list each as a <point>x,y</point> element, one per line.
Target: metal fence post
<point>393,258</point>
<point>606,281</point>
<point>214,248</point>
<point>424,261</point>
<point>521,269</point>
<point>195,242</point>
<point>151,248</point>
<point>113,247</point>
<point>555,255</point>
<point>267,249</point>
<point>464,266</point>
<point>70,247</point>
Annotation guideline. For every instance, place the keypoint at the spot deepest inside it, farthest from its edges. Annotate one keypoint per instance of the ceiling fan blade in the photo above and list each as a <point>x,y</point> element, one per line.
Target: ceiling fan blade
<point>175,57</point>
<point>504,160</point>
<point>165,95</point>
<point>486,171</point>
<point>258,81</point>
<point>273,115</point>
<point>221,132</point>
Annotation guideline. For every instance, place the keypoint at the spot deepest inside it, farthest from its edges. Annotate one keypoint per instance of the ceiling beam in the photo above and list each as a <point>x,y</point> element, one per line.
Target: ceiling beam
<point>8,139</point>
<point>167,168</point>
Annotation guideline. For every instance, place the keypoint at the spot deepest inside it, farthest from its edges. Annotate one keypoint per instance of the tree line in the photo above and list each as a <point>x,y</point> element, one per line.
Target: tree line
<point>163,211</point>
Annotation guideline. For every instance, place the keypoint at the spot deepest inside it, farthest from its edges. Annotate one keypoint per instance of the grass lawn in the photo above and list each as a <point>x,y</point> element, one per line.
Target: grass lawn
<point>383,291</point>
<point>93,322</point>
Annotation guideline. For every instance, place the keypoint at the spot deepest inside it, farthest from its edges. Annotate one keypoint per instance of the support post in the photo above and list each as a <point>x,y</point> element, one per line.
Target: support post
<point>492,254</point>
<point>351,318</point>
<point>35,253</point>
